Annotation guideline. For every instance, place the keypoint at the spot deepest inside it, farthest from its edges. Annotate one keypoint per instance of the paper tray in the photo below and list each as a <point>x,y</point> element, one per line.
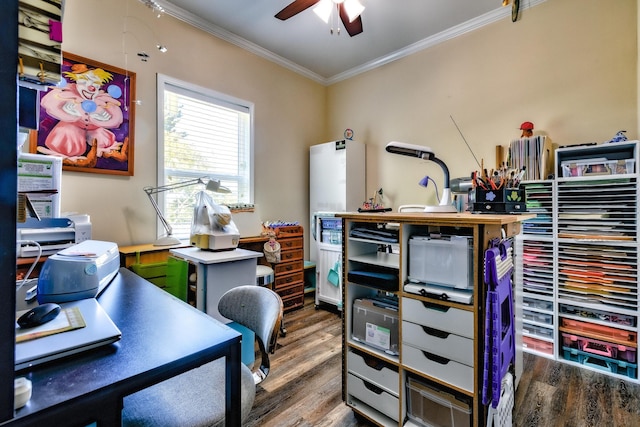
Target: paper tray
<point>386,281</point>
<point>440,292</point>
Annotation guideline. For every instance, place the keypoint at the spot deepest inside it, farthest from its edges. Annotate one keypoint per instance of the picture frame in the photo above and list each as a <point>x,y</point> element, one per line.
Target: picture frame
<point>89,118</point>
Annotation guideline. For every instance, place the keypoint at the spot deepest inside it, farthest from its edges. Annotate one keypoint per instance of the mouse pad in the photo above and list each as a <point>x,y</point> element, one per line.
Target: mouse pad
<point>67,320</point>
<point>99,330</point>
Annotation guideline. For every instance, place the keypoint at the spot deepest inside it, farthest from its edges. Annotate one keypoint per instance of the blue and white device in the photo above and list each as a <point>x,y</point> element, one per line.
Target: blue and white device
<point>79,271</point>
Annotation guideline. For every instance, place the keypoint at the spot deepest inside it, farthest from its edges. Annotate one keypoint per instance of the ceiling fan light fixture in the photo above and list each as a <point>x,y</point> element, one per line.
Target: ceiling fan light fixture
<point>323,10</point>
<point>353,8</point>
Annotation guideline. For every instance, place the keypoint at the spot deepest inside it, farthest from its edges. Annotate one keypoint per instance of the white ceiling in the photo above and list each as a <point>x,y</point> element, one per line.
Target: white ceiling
<point>391,29</point>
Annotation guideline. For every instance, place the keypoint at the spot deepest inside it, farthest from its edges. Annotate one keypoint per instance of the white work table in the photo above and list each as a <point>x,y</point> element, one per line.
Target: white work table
<point>217,272</point>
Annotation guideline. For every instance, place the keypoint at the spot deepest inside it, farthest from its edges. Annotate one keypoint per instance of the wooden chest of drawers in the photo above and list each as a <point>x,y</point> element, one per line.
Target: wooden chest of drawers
<point>289,272</point>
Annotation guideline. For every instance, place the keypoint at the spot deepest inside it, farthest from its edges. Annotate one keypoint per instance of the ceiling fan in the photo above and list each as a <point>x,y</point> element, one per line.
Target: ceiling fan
<point>349,11</point>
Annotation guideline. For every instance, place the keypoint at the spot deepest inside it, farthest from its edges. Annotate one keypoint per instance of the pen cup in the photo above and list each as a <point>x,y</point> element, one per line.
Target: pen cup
<point>504,200</point>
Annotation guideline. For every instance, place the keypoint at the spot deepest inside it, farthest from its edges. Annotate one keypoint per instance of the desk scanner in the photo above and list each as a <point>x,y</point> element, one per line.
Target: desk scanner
<point>78,272</point>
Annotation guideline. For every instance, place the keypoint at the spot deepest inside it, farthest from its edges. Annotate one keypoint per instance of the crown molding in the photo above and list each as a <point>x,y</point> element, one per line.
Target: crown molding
<point>451,33</point>
<point>197,22</point>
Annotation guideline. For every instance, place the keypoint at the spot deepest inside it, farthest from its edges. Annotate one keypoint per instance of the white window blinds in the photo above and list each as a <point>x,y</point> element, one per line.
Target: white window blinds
<point>201,133</point>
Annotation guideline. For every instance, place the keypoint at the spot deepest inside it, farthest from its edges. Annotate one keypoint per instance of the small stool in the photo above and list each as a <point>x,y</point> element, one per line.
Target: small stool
<point>265,277</point>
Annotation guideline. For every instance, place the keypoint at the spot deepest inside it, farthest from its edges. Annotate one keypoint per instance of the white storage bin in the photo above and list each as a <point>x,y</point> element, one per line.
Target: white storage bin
<point>431,407</point>
<point>441,317</point>
<point>444,262</point>
<point>375,397</point>
<point>537,304</point>
<point>598,166</point>
<point>534,316</point>
<point>537,330</point>
<point>451,346</point>
<point>376,324</point>
<point>380,374</point>
<point>449,371</point>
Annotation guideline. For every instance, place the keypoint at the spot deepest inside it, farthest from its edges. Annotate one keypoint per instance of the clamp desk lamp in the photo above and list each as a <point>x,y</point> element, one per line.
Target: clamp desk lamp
<point>426,153</point>
<point>210,184</point>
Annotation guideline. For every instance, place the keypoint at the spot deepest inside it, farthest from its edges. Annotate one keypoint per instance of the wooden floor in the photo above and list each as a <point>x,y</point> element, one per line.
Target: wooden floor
<point>304,385</point>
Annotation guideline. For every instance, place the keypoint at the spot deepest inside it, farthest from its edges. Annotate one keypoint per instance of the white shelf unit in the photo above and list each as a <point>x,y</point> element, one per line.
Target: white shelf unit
<point>373,392</point>
<point>534,273</point>
<point>440,343</point>
<point>593,253</point>
<point>328,257</point>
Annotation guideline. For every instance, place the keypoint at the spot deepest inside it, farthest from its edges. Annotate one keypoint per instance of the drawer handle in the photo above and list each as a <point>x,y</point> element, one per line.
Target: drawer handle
<point>373,363</point>
<point>432,306</point>
<point>372,388</point>
<point>441,296</point>
<point>435,358</point>
<point>435,332</point>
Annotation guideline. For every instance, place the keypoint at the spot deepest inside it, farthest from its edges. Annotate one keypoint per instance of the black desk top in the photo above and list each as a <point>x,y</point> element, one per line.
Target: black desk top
<point>161,337</point>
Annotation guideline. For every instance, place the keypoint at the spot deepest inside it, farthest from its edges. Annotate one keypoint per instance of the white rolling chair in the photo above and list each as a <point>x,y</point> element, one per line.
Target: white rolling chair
<point>197,397</point>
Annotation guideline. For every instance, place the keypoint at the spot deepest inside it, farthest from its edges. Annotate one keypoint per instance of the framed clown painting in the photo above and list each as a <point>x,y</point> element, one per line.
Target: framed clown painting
<point>88,118</point>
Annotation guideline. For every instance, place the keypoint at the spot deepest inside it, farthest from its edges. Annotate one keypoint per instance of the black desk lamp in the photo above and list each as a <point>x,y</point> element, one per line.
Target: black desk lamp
<point>426,153</point>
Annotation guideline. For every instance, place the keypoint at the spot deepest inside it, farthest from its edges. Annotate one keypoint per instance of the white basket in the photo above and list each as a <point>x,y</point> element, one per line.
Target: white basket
<point>272,251</point>
<point>503,416</point>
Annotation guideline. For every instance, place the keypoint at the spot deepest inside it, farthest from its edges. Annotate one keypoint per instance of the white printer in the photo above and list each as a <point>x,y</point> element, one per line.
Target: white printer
<point>79,271</point>
<point>52,234</point>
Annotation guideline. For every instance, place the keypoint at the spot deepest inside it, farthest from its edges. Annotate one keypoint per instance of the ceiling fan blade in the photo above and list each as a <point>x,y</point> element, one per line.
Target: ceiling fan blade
<point>294,8</point>
<point>354,27</point>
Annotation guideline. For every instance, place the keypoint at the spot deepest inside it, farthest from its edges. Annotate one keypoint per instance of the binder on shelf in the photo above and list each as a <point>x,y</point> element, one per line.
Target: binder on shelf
<point>534,154</point>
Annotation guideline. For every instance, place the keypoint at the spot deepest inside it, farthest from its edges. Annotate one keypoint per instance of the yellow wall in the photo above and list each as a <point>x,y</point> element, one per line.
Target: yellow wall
<point>289,114</point>
<point>569,66</point>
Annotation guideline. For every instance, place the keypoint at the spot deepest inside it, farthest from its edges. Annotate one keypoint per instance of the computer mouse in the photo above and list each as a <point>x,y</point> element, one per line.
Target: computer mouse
<point>39,315</point>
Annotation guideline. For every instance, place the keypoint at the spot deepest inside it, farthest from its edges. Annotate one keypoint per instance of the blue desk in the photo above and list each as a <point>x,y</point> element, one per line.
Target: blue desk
<point>161,338</point>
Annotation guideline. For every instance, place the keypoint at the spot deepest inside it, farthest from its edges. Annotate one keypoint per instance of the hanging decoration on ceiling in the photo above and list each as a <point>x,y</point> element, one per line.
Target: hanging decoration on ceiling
<point>153,5</point>
<point>349,11</point>
<point>126,31</point>
<point>515,8</point>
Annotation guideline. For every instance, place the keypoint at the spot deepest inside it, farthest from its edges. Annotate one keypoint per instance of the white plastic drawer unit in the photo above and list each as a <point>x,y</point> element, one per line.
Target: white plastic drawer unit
<point>373,396</point>
<point>443,262</point>
<point>375,371</point>
<point>440,317</point>
<point>448,345</point>
<point>442,368</point>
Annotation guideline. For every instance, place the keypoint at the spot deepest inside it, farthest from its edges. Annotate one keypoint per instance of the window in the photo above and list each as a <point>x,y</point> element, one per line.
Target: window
<point>201,133</point>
